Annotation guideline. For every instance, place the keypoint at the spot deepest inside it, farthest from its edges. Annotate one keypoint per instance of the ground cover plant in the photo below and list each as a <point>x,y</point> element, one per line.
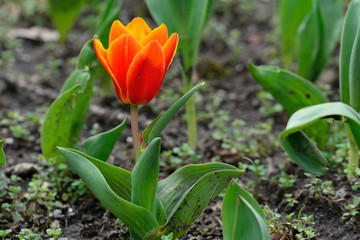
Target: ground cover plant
<point>56,94</point>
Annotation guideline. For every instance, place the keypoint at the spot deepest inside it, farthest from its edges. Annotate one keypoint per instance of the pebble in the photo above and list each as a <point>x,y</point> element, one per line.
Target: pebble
<point>24,169</point>
<point>87,218</point>
<point>58,213</point>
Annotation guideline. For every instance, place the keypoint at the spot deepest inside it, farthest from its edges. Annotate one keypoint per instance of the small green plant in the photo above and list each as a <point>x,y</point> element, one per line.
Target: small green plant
<point>290,199</point>
<point>55,233</point>
<point>27,234</point>
<point>169,237</point>
<point>285,180</point>
<point>5,232</point>
<point>260,175</point>
<point>175,157</point>
<point>12,208</point>
<point>355,172</point>
<point>323,189</point>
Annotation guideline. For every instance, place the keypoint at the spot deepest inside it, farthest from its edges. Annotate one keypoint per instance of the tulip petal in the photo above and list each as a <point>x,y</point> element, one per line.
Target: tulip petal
<point>170,49</point>
<point>117,29</point>
<point>160,34</point>
<point>120,55</point>
<point>101,54</point>
<point>138,28</point>
<point>146,74</point>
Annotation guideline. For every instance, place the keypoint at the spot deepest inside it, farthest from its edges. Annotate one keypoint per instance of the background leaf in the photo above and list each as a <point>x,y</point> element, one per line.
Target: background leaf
<point>101,145</point>
<point>299,146</point>
<point>139,220</point>
<point>107,16</point>
<point>188,19</point>
<point>292,13</point>
<point>66,115</point>
<point>242,216</point>
<point>317,37</point>
<point>87,55</point>
<point>63,14</point>
<point>292,92</point>
<point>348,42</point>
<point>2,154</point>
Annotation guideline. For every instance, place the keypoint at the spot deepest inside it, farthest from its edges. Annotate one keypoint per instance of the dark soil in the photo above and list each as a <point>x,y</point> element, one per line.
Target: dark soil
<point>27,88</point>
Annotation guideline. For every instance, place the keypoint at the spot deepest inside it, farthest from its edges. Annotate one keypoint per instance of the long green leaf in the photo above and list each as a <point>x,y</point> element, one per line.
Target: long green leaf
<point>118,179</point>
<point>66,115</point>
<point>242,216</point>
<point>193,201</point>
<point>101,145</point>
<point>172,188</point>
<point>349,33</point>
<point>354,73</point>
<point>145,176</point>
<point>2,154</point>
<point>300,148</point>
<point>154,129</point>
<point>292,13</point>
<point>292,92</point>
<point>63,14</point>
<point>139,219</point>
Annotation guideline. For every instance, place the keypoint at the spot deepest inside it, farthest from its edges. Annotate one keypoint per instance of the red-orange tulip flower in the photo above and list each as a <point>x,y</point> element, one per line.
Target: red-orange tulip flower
<point>137,59</point>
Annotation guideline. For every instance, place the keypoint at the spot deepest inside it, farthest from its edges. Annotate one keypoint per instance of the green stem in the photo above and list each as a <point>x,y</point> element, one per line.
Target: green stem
<point>135,131</point>
<point>353,153</point>
<point>190,110</point>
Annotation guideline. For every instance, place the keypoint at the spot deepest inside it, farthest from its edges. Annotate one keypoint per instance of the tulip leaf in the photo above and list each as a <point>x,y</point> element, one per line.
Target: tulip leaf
<point>349,55</point>
<point>292,13</point>
<point>107,16</point>
<point>292,92</point>
<point>146,171</point>
<point>63,14</point>
<point>87,55</point>
<point>101,145</point>
<point>155,128</point>
<point>188,19</point>
<point>300,148</point>
<point>2,154</point>
<point>117,178</point>
<point>242,216</point>
<point>317,37</point>
<point>137,218</point>
<point>186,193</point>
<point>66,115</point>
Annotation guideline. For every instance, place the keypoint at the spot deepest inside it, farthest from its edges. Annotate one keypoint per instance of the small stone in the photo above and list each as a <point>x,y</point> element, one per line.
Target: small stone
<point>24,169</point>
<point>87,218</point>
<point>55,224</point>
<point>58,213</point>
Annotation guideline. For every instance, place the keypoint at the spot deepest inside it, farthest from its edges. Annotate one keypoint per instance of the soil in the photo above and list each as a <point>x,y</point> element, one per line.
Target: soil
<point>27,87</point>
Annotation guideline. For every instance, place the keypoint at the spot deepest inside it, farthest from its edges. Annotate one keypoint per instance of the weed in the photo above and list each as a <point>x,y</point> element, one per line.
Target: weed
<point>27,234</point>
<point>290,199</point>
<point>260,175</point>
<point>5,232</point>
<point>322,189</point>
<point>352,212</point>
<point>176,156</point>
<point>55,233</point>
<point>285,180</point>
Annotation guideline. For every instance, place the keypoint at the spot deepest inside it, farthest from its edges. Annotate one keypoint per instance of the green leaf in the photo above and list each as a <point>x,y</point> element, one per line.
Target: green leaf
<point>188,19</point>
<point>317,37</point>
<point>138,219</point>
<point>292,13</point>
<point>155,128</point>
<point>66,115</point>
<point>87,55</point>
<point>118,179</point>
<point>101,145</point>
<point>108,15</point>
<point>2,154</point>
<point>349,45</point>
<point>186,193</point>
<point>300,148</point>
<point>242,216</point>
<point>77,77</point>
<point>63,14</point>
<point>292,92</point>
<point>145,176</point>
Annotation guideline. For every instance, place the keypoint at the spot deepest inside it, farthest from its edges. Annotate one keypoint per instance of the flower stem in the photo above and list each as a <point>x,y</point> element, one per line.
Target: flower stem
<point>135,131</point>
<point>353,153</point>
<point>190,110</point>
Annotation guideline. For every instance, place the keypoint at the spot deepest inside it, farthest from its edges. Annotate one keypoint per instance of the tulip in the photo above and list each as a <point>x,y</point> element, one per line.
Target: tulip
<point>137,59</point>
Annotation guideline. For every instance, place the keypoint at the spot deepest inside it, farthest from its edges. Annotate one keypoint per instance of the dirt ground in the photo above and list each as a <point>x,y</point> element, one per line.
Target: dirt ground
<point>32,72</point>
